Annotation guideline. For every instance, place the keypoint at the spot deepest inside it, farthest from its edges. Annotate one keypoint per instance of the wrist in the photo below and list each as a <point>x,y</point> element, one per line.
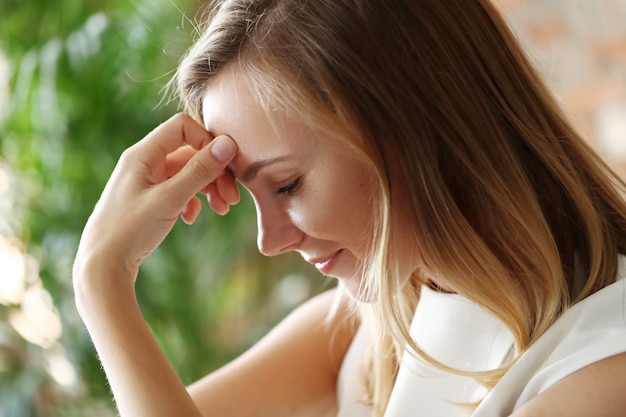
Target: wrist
<point>101,285</point>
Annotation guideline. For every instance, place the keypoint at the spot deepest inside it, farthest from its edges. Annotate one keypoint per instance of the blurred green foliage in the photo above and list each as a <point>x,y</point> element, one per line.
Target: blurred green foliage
<point>83,80</point>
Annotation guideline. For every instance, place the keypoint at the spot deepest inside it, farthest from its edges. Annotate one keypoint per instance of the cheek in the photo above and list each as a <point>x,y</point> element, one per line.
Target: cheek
<point>342,211</point>
<point>312,215</point>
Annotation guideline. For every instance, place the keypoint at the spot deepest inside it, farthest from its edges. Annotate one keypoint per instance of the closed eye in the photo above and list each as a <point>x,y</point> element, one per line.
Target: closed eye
<point>290,188</point>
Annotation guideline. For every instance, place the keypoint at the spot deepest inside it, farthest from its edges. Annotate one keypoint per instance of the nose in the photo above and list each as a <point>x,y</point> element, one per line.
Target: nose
<point>276,231</point>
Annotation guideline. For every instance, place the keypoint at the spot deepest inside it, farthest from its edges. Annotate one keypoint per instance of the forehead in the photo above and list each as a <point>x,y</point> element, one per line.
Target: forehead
<point>224,101</point>
<point>230,108</point>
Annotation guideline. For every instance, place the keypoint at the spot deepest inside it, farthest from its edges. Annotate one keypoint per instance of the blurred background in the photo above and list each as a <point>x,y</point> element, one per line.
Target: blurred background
<point>81,81</point>
<point>580,48</point>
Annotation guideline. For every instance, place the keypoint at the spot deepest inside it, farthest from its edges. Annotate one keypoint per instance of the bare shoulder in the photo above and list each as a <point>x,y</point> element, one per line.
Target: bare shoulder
<point>291,371</point>
<point>598,390</point>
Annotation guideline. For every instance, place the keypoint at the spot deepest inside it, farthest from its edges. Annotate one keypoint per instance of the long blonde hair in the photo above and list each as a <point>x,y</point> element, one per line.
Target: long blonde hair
<point>505,200</point>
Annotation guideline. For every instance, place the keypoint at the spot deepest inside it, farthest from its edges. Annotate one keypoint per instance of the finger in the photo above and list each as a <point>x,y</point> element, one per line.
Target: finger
<point>203,168</point>
<point>216,202</point>
<point>227,187</point>
<point>176,160</point>
<point>191,210</point>
<point>206,188</point>
<point>171,135</point>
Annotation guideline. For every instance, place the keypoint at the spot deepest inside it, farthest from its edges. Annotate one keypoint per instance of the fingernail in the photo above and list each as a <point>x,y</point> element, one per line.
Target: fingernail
<point>223,148</point>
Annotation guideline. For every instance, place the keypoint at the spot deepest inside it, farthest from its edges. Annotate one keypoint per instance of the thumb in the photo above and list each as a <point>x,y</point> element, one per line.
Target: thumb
<point>205,166</point>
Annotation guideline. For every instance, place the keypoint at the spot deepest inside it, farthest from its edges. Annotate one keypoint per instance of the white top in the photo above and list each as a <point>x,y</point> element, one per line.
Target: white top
<point>461,334</point>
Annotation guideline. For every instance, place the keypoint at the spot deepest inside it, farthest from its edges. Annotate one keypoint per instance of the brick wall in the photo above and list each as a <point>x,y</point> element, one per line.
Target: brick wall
<point>580,48</point>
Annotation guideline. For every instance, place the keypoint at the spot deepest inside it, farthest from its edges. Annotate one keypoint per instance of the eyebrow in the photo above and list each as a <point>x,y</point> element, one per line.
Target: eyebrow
<point>253,169</point>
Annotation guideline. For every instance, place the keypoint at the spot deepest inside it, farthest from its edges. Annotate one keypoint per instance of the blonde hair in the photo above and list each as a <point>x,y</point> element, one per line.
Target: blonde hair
<point>506,201</point>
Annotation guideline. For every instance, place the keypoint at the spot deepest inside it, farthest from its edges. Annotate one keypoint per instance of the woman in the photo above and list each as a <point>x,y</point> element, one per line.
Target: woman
<point>407,148</point>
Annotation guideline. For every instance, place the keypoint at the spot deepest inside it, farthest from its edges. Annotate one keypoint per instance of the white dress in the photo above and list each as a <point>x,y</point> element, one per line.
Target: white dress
<point>459,333</point>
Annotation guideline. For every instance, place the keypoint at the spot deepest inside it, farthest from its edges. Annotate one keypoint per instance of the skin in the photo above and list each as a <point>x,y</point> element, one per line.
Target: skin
<point>311,194</point>
<point>293,370</point>
<point>155,180</point>
<point>301,189</point>
<point>596,390</point>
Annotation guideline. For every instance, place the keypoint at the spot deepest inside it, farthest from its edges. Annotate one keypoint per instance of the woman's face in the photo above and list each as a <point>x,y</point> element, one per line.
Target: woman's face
<point>312,195</point>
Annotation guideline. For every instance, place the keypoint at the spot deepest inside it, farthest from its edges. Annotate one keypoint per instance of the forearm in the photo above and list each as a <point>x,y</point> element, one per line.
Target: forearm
<point>142,380</point>
<point>155,182</point>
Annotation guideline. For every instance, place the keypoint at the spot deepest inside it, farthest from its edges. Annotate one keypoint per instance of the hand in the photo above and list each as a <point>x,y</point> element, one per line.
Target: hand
<point>156,180</point>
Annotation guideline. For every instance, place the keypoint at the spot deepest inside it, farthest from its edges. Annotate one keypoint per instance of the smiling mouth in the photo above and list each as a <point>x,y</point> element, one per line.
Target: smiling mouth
<point>326,264</point>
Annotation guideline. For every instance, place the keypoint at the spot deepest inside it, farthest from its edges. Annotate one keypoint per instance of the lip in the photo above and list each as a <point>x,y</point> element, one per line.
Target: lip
<point>325,264</point>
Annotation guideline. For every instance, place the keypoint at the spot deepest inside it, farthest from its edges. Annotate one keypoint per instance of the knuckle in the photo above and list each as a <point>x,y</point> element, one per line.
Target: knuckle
<point>128,156</point>
<point>180,117</point>
<point>200,168</point>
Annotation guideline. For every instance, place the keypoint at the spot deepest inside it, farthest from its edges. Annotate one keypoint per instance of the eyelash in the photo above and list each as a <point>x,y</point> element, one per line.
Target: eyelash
<point>290,188</point>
